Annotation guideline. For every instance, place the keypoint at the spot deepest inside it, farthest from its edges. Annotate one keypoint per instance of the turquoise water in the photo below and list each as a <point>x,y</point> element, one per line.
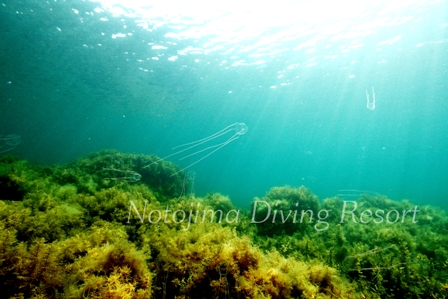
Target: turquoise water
<point>77,77</point>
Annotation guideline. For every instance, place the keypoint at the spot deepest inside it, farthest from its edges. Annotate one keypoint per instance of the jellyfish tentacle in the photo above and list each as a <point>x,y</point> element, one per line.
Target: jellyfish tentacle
<point>9,142</point>
<point>239,128</point>
<point>221,145</point>
<point>130,176</point>
<point>213,136</point>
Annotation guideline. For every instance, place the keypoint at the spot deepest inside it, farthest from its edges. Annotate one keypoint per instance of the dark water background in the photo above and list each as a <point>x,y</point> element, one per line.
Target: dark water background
<point>68,88</point>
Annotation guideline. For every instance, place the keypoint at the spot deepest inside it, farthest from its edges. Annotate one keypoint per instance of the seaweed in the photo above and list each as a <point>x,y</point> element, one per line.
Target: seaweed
<point>284,210</point>
<point>90,174</point>
<point>66,231</point>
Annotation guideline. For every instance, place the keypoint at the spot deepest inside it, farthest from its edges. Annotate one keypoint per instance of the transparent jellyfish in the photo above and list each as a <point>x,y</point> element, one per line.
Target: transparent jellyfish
<point>192,176</point>
<point>9,142</point>
<point>211,144</point>
<point>371,105</point>
<point>354,193</point>
<point>188,179</point>
<point>122,175</point>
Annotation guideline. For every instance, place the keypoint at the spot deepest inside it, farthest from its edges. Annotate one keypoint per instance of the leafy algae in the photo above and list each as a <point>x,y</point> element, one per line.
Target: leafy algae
<point>64,233</point>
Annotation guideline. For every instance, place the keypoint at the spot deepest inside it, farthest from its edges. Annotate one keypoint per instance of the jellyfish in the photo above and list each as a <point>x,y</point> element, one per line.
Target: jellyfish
<point>354,193</point>
<point>123,175</point>
<point>192,176</point>
<point>371,105</point>
<point>9,142</point>
<point>210,145</point>
<point>188,178</point>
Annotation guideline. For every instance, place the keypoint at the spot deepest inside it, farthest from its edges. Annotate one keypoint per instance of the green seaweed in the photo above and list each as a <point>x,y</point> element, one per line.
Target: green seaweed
<point>66,231</point>
<point>275,213</point>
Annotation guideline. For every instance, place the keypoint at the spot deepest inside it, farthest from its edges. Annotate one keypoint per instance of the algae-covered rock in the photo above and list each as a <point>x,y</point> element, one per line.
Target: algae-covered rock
<point>209,261</point>
<point>284,210</point>
<point>108,168</point>
<point>87,230</point>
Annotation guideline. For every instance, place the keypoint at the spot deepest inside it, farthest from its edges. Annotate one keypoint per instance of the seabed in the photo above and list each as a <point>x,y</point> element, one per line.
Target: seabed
<point>88,230</point>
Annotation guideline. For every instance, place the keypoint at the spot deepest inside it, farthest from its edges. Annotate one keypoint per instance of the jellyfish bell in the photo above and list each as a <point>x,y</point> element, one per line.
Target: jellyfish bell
<point>9,142</point>
<point>242,128</point>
